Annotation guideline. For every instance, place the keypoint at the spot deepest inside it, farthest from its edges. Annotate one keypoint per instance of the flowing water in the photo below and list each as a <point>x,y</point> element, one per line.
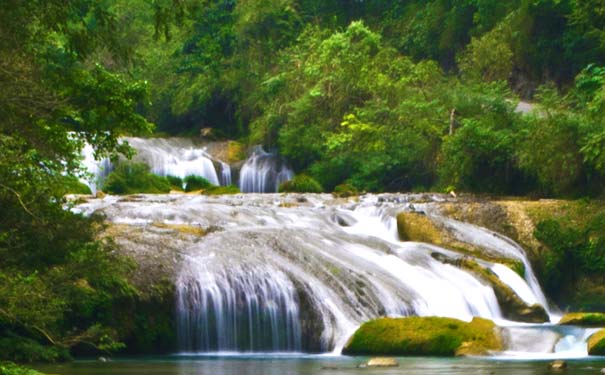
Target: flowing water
<point>300,272</point>
<point>262,172</point>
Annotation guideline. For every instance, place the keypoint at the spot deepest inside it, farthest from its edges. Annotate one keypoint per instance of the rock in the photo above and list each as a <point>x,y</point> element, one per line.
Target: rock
<point>382,362</point>
<point>596,343</point>
<point>103,359</point>
<point>583,319</point>
<point>513,307</point>
<point>557,365</point>
<point>414,226</point>
<point>424,336</point>
<point>603,371</point>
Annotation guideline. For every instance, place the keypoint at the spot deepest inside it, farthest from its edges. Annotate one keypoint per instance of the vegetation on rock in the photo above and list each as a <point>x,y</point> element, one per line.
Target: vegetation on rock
<point>583,319</point>
<point>9,368</point>
<point>301,184</point>
<point>135,178</point>
<point>193,183</point>
<point>596,343</point>
<point>424,336</point>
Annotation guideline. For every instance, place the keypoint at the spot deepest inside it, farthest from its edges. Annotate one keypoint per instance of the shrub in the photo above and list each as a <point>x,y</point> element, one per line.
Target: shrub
<point>196,183</point>
<point>301,184</point>
<point>9,368</point>
<point>71,185</point>
<point>133,178</point>
<point>345,190</point>
<point>175,182</point>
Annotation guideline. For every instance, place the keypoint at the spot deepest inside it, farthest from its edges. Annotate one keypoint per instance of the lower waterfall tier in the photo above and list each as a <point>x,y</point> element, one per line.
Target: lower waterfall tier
<point>291,273</point>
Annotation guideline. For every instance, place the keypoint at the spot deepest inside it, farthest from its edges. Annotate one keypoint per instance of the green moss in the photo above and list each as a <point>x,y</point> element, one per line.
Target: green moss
<point>424,336</point>
<point>221,190</point>
<point>134,178</point>
<point>596,343</point>
<point>9,368</point>
<point>413,226</point>
<point>584,319</point>
<point>301,184</point>
<point>196,183</point>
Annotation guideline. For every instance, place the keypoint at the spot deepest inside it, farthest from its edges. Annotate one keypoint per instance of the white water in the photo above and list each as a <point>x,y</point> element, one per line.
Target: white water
<point>302,272</point>
<point>263,172</point>
<point>179,157</point>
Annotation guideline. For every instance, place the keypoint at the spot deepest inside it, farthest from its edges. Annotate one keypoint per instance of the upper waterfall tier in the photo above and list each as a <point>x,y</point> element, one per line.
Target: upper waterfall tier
<point>301,271</point>
<point>179,157</point>
<point>263,172</point>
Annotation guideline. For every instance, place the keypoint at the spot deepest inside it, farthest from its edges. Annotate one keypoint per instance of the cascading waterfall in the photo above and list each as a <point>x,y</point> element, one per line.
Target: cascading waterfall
<point>236,307</point>
<point>263,172</point>
<point>302,272</point>
<point>179,157</point>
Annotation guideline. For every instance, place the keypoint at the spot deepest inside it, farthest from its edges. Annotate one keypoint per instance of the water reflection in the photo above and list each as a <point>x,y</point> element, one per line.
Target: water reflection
<point>313,365</point>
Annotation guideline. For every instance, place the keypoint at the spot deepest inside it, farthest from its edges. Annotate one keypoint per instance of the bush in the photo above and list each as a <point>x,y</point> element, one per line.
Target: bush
<point>133,178</point>
<point>9,368</point>
<point>24,350</point>
<point>175,182</point>
<point>71,185</point>
<point>345,190</point>
<point>301,184</point>
<point>196,183</point>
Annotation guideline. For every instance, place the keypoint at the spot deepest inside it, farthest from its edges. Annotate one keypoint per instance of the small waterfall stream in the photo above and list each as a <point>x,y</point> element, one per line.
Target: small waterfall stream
<point>263,172</point>
<point>301,272</point>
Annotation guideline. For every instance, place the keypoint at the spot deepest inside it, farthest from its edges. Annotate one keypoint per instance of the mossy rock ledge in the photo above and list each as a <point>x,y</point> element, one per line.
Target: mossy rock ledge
<point>585,319</point>
<point>425,336</point>
<point>596,343</point>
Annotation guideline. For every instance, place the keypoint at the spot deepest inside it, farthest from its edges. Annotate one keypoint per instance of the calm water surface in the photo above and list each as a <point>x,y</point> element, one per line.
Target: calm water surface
<point>307,365</point>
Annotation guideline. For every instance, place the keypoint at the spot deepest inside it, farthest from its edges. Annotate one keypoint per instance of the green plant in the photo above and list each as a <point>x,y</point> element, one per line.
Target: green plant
<point>175,182</point>
<point>301,184</point>
<point>196,183</point>
<point>134,178</point>
<point>221,190</point>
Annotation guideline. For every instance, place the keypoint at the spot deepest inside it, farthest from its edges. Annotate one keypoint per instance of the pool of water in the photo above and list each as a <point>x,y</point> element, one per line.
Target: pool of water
<point>311,365</point>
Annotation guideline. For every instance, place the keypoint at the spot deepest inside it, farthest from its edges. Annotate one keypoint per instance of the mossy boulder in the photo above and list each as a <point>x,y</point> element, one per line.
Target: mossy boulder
<point>424,336</point>
<point>596,343</point>
<point>583,319</point>
<point>345,191</point>
<point>414,226</point>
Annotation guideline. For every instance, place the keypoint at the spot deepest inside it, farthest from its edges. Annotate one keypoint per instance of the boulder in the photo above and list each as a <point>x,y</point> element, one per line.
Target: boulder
<point>382,362</point>
<point>583,319</point>
<point>596,343</point>
<point>557,365</point>
<point>424,336</point>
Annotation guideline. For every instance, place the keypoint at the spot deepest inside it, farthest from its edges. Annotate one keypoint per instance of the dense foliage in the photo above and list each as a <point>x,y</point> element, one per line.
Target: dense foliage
<point>386,95</point>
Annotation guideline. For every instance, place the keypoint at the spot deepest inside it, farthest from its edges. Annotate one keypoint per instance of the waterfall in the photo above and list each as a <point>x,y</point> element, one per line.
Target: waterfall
<point>221,307</point>
<point>302,272</point>
<point>97,170</point>
<point>174,157</point>
<point>263,172</point>
<point>179,157</point>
